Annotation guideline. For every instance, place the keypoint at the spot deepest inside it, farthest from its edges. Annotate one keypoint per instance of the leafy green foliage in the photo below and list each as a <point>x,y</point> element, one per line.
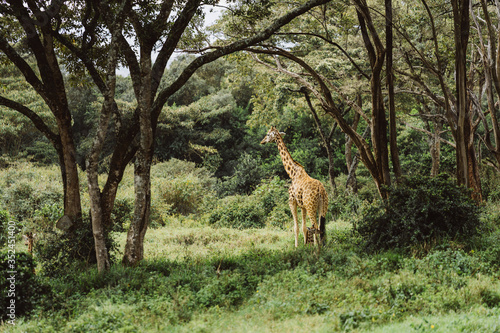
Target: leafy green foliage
<point>58,252</point>
<point>248,173</point>
<point>4,220</point>
<point>415,156</point>
<point>25,190</point>
<point>20,284</point>
<point>18,132</point>
<point>421,210</point>
<point>208,132</point>
<point>180,187</point>
<point>122,214</point>
<point>238,212</point>
<point>232,278</point>
<point>46,217</point>
<point>268,205</point>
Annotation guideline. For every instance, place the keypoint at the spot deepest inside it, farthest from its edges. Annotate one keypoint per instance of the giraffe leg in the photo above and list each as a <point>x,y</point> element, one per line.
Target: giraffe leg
<point>304,227</point>
<point>314,221</point>
<point>293,208</point>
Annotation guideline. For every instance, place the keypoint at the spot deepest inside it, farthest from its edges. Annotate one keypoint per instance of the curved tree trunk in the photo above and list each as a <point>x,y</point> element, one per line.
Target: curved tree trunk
<point>467,166</point>
<point>69,172</point>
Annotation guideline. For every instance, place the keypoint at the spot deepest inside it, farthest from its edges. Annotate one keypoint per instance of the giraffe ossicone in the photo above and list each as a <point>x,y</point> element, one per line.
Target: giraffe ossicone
<point>305,192</point>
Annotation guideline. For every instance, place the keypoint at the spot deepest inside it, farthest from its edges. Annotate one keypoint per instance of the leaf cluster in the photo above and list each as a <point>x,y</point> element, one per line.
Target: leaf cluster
<point>420,211</point>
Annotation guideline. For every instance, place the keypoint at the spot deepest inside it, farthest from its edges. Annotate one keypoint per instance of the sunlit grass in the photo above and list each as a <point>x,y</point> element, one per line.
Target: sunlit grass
<point>188,265</point>
<point>176,241</point>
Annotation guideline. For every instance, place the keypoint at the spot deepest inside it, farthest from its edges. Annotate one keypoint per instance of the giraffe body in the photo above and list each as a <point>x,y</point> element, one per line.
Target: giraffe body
<point>305,192</point>
<point>28,241</point>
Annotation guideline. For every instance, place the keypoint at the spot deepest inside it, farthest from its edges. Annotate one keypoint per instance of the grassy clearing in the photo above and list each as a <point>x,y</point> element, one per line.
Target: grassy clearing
<point>199,279</point>
<point>177,242</point>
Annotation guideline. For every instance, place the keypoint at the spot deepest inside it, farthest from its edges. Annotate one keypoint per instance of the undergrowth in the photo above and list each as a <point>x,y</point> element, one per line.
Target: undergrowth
<point>339,289</point>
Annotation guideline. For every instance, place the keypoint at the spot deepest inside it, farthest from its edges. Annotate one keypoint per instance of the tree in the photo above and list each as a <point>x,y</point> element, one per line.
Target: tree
<point>151,103</point>
<point>467,166</point>
<point>83,35</point>
<point>457,105</point>
<point>488,52</point>
<point>309,74</point>
<point>163,26</point>
<point>30,29</point>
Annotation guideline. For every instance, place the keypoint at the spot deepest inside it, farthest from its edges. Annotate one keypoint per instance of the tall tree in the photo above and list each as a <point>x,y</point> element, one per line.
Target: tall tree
<point>115,23</point>
<point>488,45</point>
<point>165,27</point>
<point>26,29</point>
<point>457,104</point>
<point>467,166</point>
<point>390,91</point>
<point>309,74</point>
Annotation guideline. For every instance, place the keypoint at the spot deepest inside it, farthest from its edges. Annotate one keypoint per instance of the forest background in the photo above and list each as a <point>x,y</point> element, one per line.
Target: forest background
<point>392,105</point>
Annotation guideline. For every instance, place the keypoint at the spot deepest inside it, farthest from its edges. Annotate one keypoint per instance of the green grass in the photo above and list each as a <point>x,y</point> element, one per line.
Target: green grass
<point>176,242</point>
<point>200,279</point>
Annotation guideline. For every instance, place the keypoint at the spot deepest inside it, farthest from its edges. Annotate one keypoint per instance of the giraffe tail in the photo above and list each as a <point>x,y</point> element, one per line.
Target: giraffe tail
<point>322,216</point>
<point>322,228</point>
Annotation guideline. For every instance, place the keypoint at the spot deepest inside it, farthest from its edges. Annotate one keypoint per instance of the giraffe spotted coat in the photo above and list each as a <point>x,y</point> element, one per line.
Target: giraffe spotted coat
<point>305,192</point>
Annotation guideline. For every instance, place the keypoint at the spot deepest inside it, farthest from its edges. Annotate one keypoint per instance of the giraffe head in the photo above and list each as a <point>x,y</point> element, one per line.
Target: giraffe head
<point>272,135</point>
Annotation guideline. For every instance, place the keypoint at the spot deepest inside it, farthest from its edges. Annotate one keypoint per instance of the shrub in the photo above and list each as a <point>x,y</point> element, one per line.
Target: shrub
<point>25,189</point>
<point>46,217</point>
<point>180,187</point>
<point>422,210</point>
<point>238,212</point>
<point>273,196</point>
<point>57,252</point>
<point>122,214</point>
<point>28,288</point>
<point>4,220</point>
<point>267,205</point>
<point>248,173</point>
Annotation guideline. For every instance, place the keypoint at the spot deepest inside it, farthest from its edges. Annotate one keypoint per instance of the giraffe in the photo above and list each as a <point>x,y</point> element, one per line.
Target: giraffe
<point>305,192</point>
<point>28,241</point>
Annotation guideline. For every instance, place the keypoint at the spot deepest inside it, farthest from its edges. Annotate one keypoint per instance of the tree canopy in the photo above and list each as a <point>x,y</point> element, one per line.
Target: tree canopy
<point>401,87</point>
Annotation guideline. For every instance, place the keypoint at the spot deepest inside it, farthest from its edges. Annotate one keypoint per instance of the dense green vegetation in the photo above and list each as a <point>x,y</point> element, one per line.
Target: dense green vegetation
<point>422,254</point>
<point>230,262</point>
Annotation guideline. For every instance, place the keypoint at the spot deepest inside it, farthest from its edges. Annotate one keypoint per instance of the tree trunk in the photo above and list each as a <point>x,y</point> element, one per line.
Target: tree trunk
<point>134,248</point>
<point>351,183</point>
<point>396,166</point>
<point>352,162</point>
<point>102,255</point>
<point>69,172</point>
<point>376,54</point>
<point>467,168</point>
<point>96,203</point>
<point>490,56</point>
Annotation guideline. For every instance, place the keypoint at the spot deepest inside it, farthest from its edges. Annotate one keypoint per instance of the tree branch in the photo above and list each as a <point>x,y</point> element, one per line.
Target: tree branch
<point>35,119</point>
<point>331,43</point>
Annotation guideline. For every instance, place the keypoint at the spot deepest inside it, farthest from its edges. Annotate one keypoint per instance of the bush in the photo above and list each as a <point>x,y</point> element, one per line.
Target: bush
<point>58,252</point>
<point>420,211</point>
<point>248,173</point>
<point>4,220</point>
<point>25,189</point>
<point>267,205</point>
<point>180,187</point>
<point>28,288</point>
<point>47,216</point>
<point>122,214</point>
<point>238,212</point>
<point>273,197</point>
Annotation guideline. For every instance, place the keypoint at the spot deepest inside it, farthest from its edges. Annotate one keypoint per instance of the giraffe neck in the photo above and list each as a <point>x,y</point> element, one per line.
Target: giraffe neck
<point>293,169</point>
